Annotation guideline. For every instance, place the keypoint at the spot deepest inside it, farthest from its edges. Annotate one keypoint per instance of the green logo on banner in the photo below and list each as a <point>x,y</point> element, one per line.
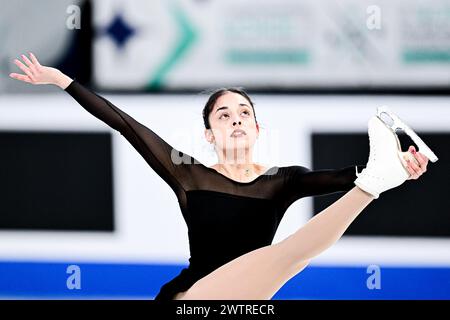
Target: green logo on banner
<point>426,56</point>
<point>267,57</point>
<point>187,38</point>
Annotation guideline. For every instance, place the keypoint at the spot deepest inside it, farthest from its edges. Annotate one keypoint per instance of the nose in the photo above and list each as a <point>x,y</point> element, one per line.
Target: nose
<point>234,123</point>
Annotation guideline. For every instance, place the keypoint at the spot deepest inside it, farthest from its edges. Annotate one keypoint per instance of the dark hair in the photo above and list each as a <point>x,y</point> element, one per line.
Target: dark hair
<point>218,93</point>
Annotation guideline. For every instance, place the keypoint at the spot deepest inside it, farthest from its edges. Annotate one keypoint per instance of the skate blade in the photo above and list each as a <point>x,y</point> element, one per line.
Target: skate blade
<point>399,124</point>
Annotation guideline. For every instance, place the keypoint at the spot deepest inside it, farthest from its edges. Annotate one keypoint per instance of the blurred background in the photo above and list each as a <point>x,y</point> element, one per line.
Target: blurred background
<point>83,216</point>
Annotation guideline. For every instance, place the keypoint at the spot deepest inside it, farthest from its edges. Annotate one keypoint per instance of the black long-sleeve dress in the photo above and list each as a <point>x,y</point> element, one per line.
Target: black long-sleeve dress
<point>225,218</point>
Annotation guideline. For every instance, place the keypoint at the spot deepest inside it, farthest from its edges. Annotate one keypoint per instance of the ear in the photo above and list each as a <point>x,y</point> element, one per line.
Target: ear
<point>209,135</point>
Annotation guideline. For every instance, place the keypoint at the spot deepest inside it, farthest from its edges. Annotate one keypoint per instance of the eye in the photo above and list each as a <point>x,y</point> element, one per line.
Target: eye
<point>248,113</point>
<point>223,114</point>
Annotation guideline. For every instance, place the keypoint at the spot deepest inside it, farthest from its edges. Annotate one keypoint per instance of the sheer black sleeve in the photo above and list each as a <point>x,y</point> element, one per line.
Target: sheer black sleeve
<point>170,164</point>
<point>303,182</point>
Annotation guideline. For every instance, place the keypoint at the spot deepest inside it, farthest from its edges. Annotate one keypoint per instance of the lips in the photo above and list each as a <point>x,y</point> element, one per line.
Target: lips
<point>238,133</point>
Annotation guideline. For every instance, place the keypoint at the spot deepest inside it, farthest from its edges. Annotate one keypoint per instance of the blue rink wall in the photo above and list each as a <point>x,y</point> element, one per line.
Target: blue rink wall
<point>41,280</point>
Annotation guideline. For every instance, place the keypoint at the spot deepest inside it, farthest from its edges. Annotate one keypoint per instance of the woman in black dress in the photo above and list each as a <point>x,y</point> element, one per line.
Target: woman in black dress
<point>233,208</point>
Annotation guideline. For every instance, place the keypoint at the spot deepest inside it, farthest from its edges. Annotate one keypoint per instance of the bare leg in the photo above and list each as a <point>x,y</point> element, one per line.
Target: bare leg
<point>260,273</point>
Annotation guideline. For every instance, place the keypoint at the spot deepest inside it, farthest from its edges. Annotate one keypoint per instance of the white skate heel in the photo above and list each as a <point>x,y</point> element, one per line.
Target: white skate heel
<point>399,124</point>
<point>384,169</point>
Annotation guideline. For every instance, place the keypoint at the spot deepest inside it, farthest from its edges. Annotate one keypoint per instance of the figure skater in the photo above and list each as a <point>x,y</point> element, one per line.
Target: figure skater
<point>233,208</point>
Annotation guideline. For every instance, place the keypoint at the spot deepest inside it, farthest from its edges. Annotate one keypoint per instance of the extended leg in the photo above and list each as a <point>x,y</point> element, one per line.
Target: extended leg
<point>260,273</point>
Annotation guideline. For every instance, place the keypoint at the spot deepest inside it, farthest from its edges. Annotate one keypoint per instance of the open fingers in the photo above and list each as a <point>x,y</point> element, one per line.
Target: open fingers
<point>21,77</point>
<point>23,68</point>
<point>34,59</point>
<point>28,62</point>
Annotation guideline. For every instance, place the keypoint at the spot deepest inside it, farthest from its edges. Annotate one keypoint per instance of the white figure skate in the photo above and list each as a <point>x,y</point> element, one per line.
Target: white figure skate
<point>384,169</point>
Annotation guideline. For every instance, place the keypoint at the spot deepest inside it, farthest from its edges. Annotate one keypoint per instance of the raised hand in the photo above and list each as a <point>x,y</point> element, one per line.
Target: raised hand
<point>35,73</point>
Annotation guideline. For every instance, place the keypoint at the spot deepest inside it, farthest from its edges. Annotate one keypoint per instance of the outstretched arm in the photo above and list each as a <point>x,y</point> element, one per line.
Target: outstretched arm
<point>303,182</point>
<point>307,182</point>
<point>162,157</point>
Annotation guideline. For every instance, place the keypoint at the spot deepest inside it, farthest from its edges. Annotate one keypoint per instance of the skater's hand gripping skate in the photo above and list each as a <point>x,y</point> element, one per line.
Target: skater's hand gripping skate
<point>388,166</point>
<point>415,162</point>
<point>35,73</point>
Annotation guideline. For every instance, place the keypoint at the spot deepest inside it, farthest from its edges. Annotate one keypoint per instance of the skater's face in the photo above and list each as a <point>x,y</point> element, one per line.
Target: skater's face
<point>230,112</point>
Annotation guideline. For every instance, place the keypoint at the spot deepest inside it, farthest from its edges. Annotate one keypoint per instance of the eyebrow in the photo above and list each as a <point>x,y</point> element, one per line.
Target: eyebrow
<point>225,107</point>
